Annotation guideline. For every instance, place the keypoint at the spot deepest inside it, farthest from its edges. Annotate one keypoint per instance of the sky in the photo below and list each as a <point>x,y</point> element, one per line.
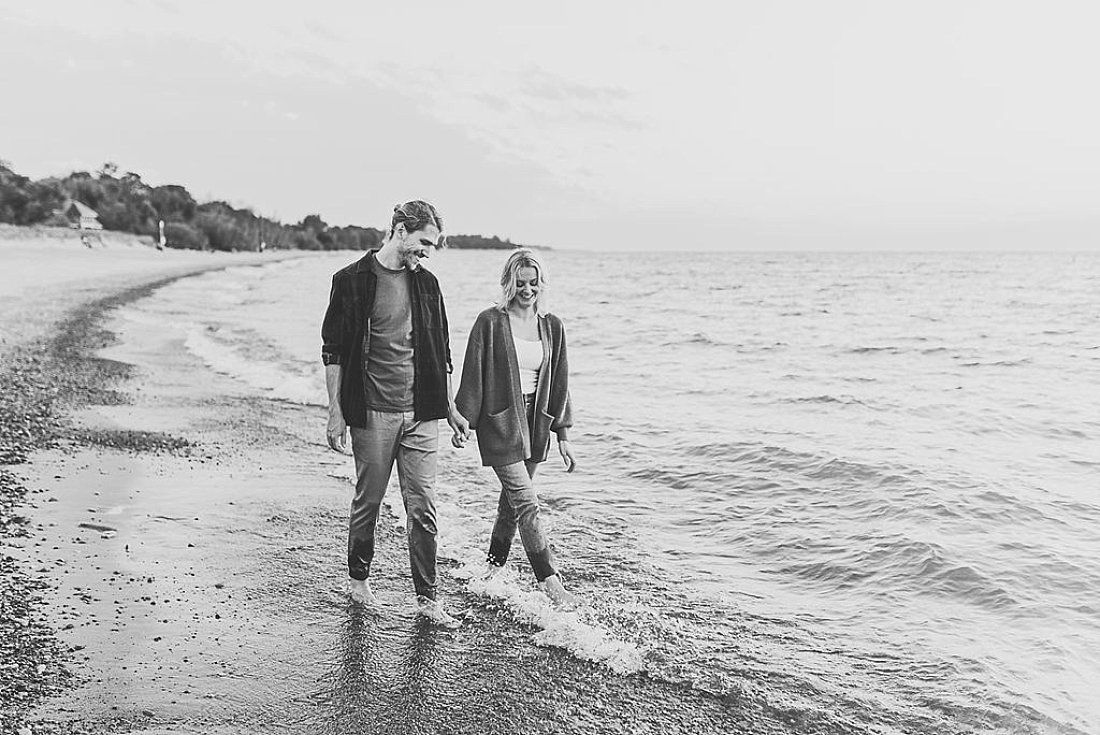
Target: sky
<point>787,124</point>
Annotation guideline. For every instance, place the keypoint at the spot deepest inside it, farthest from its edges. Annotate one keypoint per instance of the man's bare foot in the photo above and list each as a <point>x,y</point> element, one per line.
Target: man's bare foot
<point>433,611</point>
<point>361,592</point>
<point>558,595</point>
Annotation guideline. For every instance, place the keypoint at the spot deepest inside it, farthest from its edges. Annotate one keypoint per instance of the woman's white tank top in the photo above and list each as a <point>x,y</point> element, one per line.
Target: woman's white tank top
<point>529,357</point>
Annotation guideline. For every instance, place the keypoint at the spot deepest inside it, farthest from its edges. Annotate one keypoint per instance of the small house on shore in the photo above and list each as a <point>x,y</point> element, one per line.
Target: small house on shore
<point>79,215</point>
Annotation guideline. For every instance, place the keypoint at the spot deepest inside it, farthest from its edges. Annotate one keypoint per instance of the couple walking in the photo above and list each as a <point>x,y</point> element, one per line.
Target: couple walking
<point>387,356</point>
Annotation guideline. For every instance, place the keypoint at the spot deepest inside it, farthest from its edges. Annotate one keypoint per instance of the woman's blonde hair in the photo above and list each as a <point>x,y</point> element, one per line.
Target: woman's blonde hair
<point>521,258</point>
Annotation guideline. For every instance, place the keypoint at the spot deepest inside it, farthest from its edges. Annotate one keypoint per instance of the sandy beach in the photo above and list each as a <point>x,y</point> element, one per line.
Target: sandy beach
<point>53,292</point>
<point>178,561</point>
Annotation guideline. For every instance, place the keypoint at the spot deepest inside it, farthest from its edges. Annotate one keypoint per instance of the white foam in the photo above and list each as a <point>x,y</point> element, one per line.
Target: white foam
<point>295,383</point>
<point>559,628</point>
<point>460,539</point>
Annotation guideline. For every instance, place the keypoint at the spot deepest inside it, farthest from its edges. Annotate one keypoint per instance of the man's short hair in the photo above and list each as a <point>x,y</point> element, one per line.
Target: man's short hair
<point>416,215</point>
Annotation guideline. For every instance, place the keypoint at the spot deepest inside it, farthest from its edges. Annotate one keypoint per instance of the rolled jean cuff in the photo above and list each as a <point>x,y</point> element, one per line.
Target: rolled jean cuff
<point>498,552</point>
<point>541,564</point>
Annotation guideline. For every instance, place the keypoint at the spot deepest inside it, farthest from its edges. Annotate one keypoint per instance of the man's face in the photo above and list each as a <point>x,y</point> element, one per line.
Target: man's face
<point>417,245</point>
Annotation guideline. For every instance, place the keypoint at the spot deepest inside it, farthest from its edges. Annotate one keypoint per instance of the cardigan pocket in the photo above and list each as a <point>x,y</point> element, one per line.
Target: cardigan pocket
<point>500,431</point>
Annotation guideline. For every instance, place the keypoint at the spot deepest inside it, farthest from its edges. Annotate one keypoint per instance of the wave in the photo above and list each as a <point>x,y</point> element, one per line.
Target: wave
<point>963,582</point>
<point>223,353</point>
<point>580,633</point>
<point>695,338</point>
<point>805,464</point>
<point>888,349</point>
<point>825,398</point>
<point>998,363</point>
<point>573,631</point>
<point>901,564</point>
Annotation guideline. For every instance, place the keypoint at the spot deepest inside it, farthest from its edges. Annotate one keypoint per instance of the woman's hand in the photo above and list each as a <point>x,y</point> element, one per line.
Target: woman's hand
<point>567,455</point>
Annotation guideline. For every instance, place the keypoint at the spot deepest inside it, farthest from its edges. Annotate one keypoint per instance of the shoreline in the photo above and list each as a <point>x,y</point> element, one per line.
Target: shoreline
<point>46,373</point>
<point>222,608</point>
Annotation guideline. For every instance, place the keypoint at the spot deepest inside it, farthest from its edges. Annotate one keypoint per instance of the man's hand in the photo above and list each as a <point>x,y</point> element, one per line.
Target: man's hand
<point>337,427</point>
<point>567,456</point>
<point>460,426</point>
<point>337,430</point>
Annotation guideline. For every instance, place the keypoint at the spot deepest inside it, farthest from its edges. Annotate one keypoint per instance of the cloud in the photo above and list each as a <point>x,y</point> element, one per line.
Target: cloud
<point>602,118</point>
<point>313,62</point>
<point>538,83</point>
<point>319,31</point>
<point>164,5</point>
<point>495,102</point>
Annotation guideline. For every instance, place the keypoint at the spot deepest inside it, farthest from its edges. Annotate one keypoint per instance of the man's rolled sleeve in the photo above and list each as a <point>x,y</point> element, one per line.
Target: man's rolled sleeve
<point>446,335</point>
<point>332,328</point>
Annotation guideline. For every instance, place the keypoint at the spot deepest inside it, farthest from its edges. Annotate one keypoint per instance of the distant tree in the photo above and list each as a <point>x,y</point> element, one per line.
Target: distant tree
<point>313,222</point>
<point>182,235</point>
<point>173,203</point>
<point>13,195</point>
<point>314,234</point>
<point>115,216</point>
<point>80,185</point>
<point>218,221</point>
<point>305,240</point>
<point>46,198</point>
<point>125,202</point>
<point>479,242</point>
<point>26,202</point>
<point>277,235</point>
<point>354,238</point>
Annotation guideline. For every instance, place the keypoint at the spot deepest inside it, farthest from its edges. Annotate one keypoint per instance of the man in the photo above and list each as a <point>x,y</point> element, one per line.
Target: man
<point>387,366</point>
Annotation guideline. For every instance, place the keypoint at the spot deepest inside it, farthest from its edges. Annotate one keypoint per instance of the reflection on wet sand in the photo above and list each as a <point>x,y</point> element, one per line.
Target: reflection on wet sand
<point>384,675</point>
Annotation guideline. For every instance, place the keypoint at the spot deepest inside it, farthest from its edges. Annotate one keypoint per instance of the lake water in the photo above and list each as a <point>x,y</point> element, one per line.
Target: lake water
<point>861,489</point>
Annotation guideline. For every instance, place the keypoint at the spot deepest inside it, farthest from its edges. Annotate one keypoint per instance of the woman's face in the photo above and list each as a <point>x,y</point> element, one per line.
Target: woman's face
<point>527,287</point>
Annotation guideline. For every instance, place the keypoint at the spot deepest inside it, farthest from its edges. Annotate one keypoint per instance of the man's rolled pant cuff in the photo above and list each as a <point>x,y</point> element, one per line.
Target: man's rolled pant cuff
<point>541,564</point>
<point>359,572</point>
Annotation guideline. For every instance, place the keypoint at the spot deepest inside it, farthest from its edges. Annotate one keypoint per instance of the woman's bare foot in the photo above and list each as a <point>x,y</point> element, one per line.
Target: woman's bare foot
<point>558,595</point>
<point>491,570</point>
<point>361,592</point>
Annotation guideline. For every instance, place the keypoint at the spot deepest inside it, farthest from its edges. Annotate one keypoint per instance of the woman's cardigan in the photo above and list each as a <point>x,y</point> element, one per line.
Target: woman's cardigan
<point>489,395</point>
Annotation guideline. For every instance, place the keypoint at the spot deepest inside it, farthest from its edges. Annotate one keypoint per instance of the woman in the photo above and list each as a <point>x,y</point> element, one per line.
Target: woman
<point>515,393</point>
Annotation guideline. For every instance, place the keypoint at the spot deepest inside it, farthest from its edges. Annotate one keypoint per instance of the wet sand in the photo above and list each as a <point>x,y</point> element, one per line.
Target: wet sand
<point>192,534</point>
<point>52,291</point>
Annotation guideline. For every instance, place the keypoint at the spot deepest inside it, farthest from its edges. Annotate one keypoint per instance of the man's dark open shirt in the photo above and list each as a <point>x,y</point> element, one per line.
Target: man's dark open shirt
<point>345,334</point>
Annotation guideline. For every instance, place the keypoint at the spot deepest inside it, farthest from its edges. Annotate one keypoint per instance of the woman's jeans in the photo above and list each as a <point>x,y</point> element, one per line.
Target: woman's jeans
<point>518,508</point>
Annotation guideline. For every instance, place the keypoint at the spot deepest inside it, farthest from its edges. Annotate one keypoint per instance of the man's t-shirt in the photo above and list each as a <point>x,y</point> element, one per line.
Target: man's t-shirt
<point>390,367</point>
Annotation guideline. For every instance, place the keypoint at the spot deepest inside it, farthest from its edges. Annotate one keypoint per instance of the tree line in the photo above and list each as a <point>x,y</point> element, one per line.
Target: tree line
<point>125,203</point>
